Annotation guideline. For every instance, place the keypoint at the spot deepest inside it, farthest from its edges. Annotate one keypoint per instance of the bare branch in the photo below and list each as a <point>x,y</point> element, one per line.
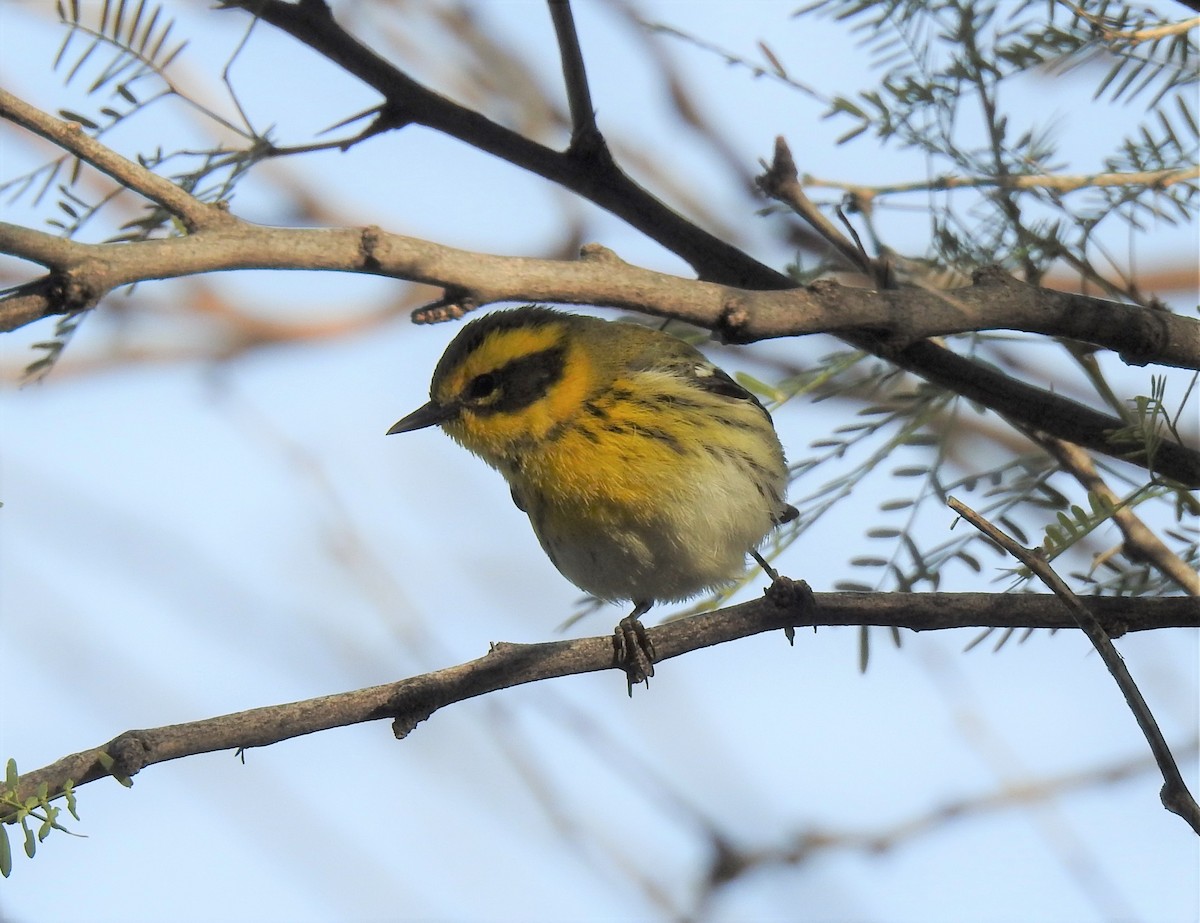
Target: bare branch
<point>411,701</point>
<point>85,272</point>
<point>1175,795</point>
<point>1060,182</point>
<point>731,862</point>
<point>597,179</point>
<point>900,317</point>
<point>1134,37</point>
<point>779,181</point>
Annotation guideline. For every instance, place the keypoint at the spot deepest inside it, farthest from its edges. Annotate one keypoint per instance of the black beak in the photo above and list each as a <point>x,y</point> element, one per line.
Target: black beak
<point>430,415</point>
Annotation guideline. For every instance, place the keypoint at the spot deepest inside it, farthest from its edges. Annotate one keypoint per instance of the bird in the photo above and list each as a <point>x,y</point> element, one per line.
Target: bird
<point>647,473</point>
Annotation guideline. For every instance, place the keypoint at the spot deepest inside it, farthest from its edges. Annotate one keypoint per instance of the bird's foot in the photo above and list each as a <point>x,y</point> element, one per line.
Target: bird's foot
<point>787,593</point>
<point>633,651</point>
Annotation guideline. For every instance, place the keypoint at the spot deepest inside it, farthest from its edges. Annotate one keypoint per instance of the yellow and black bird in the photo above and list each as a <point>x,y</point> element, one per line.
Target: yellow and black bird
<point>648,473</point>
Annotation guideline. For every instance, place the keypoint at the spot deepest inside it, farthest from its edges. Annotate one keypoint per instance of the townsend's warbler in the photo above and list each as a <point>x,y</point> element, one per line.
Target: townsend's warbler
<point>647,472</point>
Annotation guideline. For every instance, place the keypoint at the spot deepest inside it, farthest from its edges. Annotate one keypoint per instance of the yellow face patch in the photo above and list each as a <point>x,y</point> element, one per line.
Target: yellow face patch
<point>484,425</point>
<point>494,352</point>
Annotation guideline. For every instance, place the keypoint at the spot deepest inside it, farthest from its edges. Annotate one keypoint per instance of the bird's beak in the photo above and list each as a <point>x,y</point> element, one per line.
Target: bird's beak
<point>431,414</point>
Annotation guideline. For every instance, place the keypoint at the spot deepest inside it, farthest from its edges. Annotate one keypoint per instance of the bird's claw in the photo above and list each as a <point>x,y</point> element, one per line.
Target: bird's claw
<point>633,651</point>
<point>787,593</point>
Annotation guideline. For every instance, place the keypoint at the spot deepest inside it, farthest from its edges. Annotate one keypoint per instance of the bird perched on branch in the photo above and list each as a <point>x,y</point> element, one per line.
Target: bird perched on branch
<point>648,473</point>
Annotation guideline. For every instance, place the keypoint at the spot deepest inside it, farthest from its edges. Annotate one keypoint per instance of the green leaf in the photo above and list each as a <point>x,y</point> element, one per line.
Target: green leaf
<point>970,560</point>
<point>852,133</point>
<point>1013,529</point>
<point>755,386</point>
<point>69,793</point>
<point>83,120</point>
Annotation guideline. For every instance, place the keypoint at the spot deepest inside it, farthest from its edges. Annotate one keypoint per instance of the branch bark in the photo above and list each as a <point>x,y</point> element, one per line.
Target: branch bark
<point>411,701</point>
<point>898,317</point>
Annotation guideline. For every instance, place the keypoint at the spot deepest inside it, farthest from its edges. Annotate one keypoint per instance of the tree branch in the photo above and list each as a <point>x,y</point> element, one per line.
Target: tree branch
<point>779,181</point>
<point>898,317</point>
<point>1175,795</point>
<point>732,861</point>
<point>411,701</point>
<point>597,179</point>
<point>1055,182</point>
<point>82,273</point>
<point>584,131</point>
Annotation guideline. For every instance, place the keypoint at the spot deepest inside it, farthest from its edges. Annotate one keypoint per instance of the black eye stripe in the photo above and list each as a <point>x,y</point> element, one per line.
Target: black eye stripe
<point>518,383</point>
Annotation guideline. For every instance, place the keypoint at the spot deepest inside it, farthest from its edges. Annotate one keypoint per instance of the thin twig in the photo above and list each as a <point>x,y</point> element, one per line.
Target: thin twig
<point>781,182</point>
<point>1134,37</point>
<point>1159,179</point>
<point>71,137</point>
<point>1174,794</point>
<point>815,841</point>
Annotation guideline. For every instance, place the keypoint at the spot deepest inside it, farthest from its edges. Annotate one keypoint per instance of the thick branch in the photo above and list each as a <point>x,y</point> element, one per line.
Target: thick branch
<point>84,272</point>
<point>411,701</point>
<point>898,317</point>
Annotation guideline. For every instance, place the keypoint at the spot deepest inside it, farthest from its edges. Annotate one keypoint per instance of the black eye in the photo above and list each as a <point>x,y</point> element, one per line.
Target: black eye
<point>481,386</point>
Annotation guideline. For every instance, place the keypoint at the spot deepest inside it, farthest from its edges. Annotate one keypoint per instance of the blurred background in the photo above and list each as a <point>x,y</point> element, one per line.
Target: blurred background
<point>202,515</point>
